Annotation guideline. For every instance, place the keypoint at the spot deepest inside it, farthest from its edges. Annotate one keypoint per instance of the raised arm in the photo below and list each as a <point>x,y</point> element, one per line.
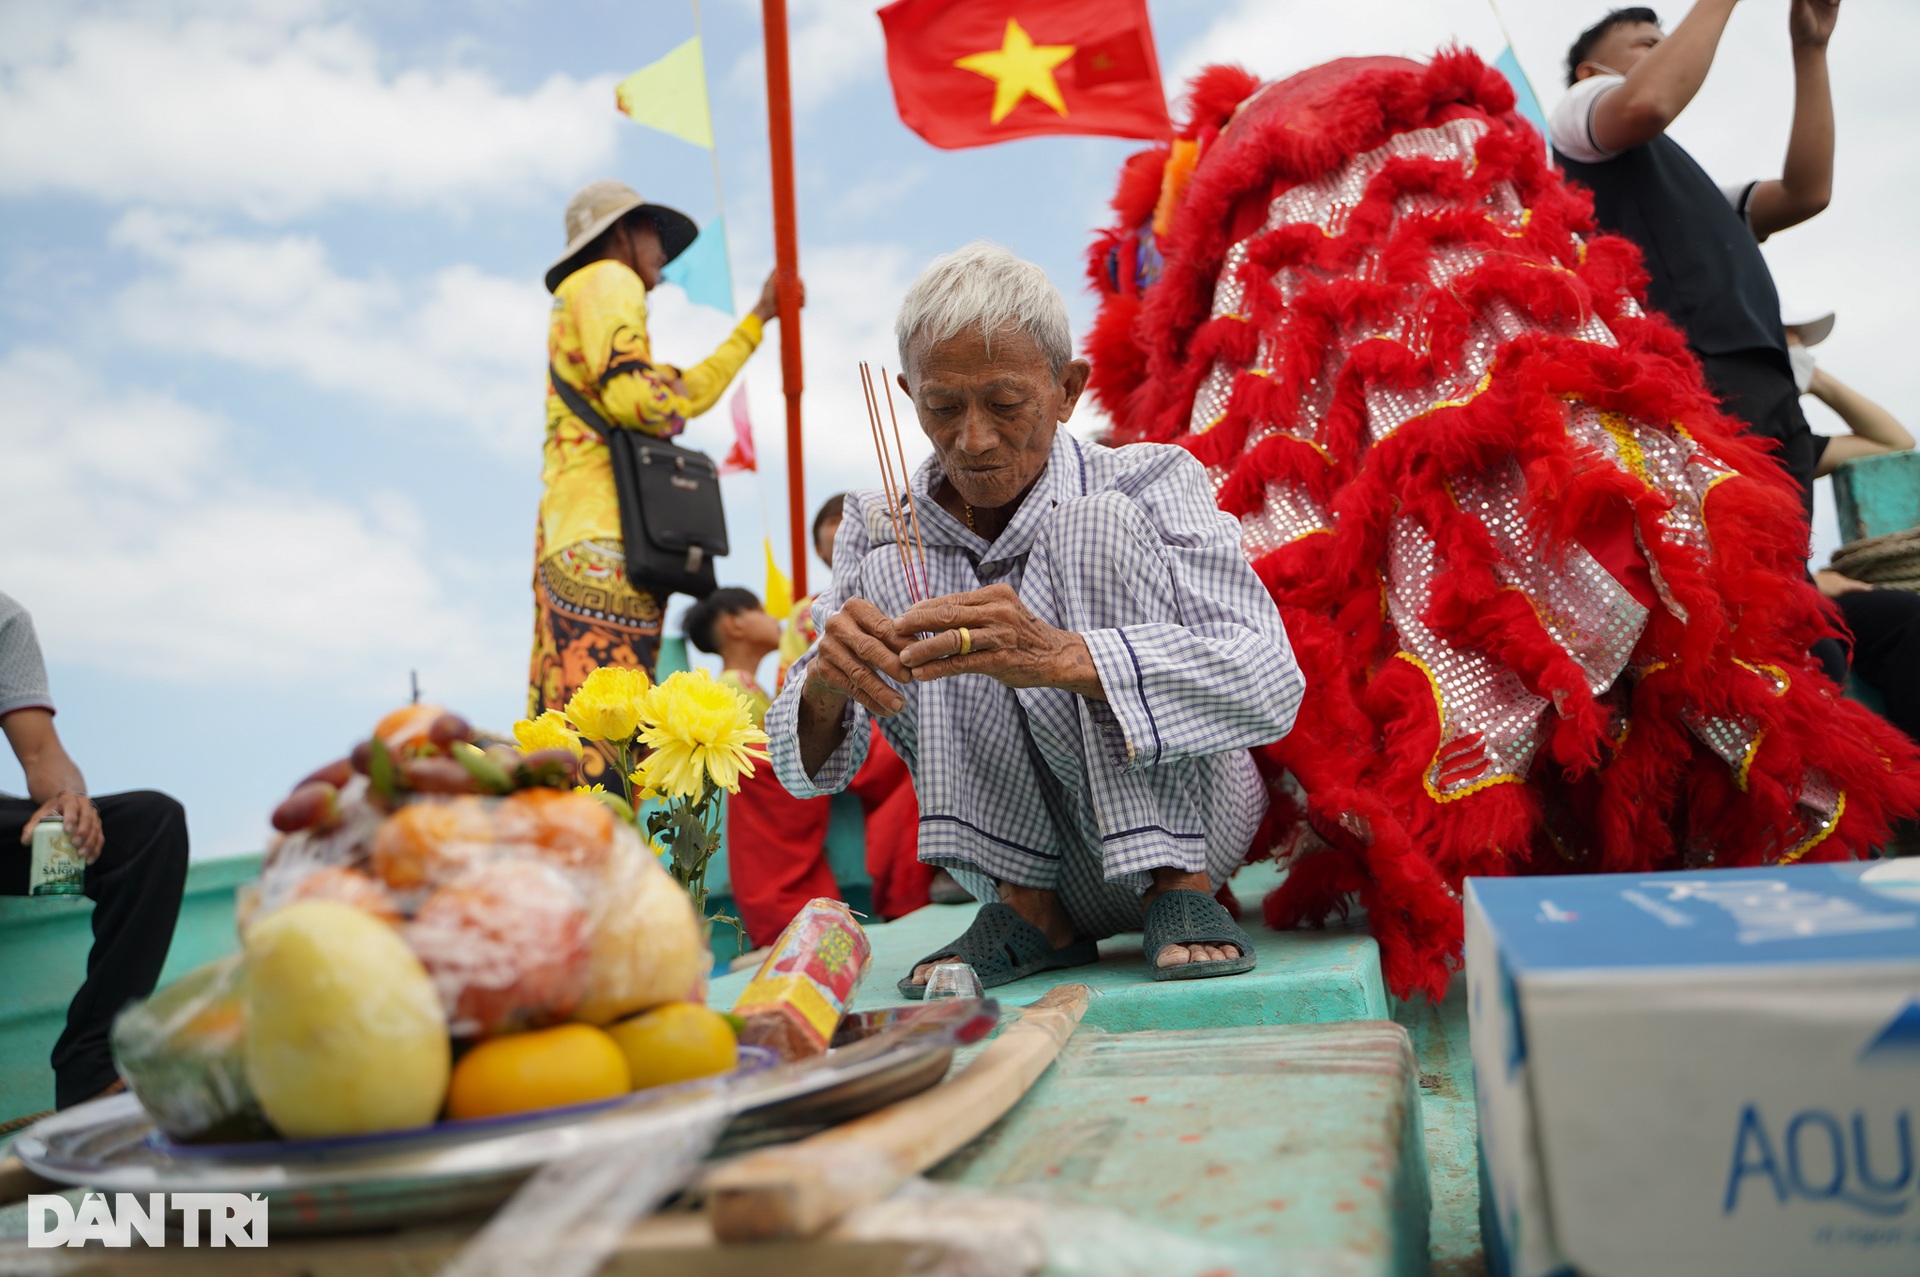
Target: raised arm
<point>1875,430</point>
<point>704,383</point>
<point>1662,83</point>
<point>1805,183</point>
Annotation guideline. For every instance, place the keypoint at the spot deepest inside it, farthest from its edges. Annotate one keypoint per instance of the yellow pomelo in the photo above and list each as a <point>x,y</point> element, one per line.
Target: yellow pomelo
<point>567,1064</point>
<point>676,1043</point>
<point>345,1033</point>
<point>648,945</point>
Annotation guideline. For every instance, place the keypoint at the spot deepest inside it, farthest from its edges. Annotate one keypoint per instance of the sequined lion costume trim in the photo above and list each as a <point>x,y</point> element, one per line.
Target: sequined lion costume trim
<point>1550,603</point>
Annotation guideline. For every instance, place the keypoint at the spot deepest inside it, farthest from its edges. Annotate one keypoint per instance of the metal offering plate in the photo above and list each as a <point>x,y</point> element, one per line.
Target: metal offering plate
<point>399,1177</point>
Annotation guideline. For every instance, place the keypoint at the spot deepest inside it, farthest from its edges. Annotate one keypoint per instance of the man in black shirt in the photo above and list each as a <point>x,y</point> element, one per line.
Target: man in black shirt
<point>1701,244</point>
<point>1700,241</point>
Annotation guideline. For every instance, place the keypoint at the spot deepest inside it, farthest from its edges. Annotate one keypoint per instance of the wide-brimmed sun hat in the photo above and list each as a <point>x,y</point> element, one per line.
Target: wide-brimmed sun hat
<point>1813,325</point>
<point>598,205</point>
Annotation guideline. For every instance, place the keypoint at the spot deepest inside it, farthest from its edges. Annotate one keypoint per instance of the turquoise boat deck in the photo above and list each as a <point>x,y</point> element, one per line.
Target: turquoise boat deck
<point>1245,1105</point>
<point>1194,1078</point>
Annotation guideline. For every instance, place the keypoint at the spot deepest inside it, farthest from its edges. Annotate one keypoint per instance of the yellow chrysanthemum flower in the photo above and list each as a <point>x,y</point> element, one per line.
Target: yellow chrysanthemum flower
<point>549,731</point>
<point>607,706</point>
<point>612,802</point>
<point>698,730</point>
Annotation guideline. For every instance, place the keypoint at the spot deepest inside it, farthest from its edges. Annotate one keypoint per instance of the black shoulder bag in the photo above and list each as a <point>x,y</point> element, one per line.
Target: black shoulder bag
<point>671,516</point>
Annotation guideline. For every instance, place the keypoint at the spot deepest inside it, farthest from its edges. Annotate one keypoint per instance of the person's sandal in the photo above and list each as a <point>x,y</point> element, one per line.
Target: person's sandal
<point>1189,918</point>
<point>1002,947</point>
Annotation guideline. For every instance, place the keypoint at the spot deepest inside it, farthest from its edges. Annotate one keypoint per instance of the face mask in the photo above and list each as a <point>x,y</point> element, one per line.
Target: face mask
<point>1802,360</point>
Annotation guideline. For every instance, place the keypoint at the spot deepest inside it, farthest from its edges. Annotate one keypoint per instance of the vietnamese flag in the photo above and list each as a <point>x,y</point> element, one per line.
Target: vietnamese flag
<point>970,72</point>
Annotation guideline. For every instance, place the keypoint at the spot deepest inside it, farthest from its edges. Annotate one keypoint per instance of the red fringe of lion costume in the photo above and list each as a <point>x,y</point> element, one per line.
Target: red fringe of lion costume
<point>1551,604</point>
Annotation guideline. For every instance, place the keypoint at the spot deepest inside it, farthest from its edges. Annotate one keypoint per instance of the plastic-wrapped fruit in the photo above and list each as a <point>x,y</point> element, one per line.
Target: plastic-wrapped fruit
<point>567,828</point>
<point>432,841</point>
<point>567,1064</point>
<point>349,887</point>
<point>410,725</point>
<point>344,1031</point>
<point>180,1053</point>
<point>506,944</point>
<point>648,944</point>
<point>676,1043</point>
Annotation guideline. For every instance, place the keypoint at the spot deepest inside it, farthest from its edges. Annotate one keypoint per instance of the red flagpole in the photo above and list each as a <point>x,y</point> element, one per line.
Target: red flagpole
<point>786,261</point>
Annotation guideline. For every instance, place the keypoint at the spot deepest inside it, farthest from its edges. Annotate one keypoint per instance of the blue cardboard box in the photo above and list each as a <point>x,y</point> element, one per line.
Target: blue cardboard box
<point>1701,1073</point>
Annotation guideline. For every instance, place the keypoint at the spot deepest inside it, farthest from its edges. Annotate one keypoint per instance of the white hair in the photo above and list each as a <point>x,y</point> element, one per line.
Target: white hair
<point>985,287</point>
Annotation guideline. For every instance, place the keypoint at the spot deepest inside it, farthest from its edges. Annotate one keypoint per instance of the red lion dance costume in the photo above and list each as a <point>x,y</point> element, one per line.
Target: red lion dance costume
<point>1550,603</point>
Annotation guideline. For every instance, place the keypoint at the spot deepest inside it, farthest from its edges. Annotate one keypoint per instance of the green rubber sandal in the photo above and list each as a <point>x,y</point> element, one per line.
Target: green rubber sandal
<point>1002,947</point>
<point>1193,917</point>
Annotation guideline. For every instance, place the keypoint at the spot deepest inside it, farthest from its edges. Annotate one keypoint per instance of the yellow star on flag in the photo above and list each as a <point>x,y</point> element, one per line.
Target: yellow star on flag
<point>1019,67</point>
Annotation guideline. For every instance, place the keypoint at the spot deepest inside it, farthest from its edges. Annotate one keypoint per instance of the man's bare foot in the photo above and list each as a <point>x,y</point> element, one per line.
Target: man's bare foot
<point>1040,907</point>
<point>1175,955</point>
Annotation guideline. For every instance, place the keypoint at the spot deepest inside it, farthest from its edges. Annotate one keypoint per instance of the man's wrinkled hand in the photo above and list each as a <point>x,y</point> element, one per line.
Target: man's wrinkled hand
<point>1003,639</point>
<point>855,649</point>
<point>81,818</point>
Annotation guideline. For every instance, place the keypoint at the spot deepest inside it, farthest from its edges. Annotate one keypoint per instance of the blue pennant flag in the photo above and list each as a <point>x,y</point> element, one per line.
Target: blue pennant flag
<point>1523,100</point>
<point>703,269</point>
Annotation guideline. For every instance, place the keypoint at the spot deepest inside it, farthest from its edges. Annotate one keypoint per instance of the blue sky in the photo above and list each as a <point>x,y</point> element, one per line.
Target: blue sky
<point>272,333</point>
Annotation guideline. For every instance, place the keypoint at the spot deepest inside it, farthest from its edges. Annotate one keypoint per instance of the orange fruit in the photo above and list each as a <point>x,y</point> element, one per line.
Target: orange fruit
<point>407,725</point>
<point>676,1043</point>
<point>569,829</point>
<point>349,887</point>
<point>430,841</point>
<point>567,1064</point>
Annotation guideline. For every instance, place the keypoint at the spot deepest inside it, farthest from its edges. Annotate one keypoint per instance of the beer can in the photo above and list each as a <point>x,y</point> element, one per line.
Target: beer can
<point>58,869</point>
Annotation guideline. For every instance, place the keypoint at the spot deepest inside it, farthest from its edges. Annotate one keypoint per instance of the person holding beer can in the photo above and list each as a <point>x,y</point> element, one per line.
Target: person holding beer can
<point>126,852</point>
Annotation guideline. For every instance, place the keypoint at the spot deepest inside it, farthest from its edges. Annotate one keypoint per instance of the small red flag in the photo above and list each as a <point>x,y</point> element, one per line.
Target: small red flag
<point>970,72</point>
<point>741,457</point>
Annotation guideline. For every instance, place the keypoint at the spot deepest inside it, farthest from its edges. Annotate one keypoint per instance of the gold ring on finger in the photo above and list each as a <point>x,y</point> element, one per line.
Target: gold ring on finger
<point>966,641</point>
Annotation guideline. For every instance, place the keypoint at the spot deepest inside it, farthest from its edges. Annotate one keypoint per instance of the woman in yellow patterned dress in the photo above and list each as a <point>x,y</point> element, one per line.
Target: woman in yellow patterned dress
<point>586,613</point>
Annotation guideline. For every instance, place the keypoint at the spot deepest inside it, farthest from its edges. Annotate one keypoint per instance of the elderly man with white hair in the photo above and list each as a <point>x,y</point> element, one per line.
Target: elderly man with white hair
<point>1077,697</point>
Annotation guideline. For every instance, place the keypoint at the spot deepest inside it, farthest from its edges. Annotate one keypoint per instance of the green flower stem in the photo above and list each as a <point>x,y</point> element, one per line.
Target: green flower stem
<point>626,771</point>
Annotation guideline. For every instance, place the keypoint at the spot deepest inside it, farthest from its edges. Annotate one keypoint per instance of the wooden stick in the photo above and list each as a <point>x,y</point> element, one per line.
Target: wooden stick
<point>886,476</point>
<point>926,583</point>
<point>799,1190</point>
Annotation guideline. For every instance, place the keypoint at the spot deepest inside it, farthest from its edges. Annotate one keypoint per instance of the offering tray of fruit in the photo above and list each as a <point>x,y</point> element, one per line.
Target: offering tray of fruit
<point>453,1167</point>
<point>460,965</point>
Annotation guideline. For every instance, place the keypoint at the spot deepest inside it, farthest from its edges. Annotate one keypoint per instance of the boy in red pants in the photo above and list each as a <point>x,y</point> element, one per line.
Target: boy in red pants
<point>776,843</point>
<point>901,883</point>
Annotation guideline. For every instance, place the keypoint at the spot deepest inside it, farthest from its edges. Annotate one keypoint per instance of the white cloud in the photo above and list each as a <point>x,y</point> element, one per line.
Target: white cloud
<point>142,549</point>
<point>831,45</point>
<point>276,109</point>
<point>1275,38</point>
<point>462,346</point>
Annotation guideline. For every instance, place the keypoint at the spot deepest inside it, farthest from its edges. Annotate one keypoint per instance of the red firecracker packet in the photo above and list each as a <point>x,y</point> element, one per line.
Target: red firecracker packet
<point>796,999</point>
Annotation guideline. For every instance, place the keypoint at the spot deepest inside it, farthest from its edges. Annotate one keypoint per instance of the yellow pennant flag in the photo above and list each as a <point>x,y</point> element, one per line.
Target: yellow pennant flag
<point>671,95</point>
<point>779,588</point>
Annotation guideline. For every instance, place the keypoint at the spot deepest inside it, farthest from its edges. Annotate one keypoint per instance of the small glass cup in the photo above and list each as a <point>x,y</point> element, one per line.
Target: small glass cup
<point>953,980</point>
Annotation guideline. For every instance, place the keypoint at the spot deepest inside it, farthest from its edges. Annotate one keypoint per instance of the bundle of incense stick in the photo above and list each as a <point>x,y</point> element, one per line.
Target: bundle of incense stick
<point>901,508</point>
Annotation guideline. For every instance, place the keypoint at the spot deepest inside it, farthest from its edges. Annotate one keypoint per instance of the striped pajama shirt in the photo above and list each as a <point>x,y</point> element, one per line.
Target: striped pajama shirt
<point>1043,788</point>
